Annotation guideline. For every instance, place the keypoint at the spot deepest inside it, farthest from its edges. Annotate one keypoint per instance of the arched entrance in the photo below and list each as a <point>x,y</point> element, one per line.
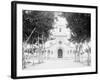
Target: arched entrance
<point>60,53</point>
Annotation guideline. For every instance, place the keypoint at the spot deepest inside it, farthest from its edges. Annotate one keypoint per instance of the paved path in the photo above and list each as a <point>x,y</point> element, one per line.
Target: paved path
<point>57,63</point>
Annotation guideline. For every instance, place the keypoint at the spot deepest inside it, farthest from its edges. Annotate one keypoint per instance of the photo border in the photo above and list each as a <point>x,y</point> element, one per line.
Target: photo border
<point>14,38</point>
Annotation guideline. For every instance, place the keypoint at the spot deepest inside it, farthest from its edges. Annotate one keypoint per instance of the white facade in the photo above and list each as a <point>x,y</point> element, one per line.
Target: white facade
<point>59,47</point>
<point>61,43</point>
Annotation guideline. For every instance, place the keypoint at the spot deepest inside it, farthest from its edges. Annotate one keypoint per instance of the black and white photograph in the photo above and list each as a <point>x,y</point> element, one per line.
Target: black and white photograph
<point>60,39</point>
<point>55,39</point>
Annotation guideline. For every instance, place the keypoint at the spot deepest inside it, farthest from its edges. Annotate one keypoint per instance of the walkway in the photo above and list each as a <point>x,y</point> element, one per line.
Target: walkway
<point>57,63</point>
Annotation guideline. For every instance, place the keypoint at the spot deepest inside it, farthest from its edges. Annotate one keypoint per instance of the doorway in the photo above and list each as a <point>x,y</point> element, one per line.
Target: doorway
<point>60,53</point>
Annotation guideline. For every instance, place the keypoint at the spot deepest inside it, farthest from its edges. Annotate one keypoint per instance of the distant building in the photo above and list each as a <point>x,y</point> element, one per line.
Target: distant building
<point>59,47</point>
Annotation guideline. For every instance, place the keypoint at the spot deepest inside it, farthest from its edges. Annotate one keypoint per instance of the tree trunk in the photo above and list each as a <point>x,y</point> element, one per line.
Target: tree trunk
<point>23,58</point>
<point>88,60</point>
<point>89,57</point>
<point>75,52</point>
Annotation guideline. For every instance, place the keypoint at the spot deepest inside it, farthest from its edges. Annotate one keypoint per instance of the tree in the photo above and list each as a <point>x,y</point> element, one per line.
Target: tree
<point>41,21</point>
<point>36,29</point>
<point>80,25</point>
